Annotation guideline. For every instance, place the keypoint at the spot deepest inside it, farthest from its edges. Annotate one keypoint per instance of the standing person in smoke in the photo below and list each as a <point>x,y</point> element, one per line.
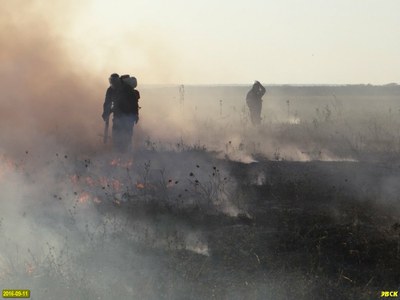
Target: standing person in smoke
<point>122,100</point>
<point>254,102</point>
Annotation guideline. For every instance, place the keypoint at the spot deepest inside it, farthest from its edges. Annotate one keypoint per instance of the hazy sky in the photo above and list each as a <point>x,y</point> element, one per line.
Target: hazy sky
<point>220,42</point>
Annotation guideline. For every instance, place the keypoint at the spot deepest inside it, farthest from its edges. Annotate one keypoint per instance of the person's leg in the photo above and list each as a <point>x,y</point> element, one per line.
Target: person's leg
<point>126,132</point>
<point>257,109</point>
<point>130,127</point>
<point>253,114</point>
<point>118,134</point>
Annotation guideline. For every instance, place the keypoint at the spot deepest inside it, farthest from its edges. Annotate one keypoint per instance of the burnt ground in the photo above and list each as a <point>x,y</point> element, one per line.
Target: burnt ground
<point>315,230</point>
<point>305,230</point>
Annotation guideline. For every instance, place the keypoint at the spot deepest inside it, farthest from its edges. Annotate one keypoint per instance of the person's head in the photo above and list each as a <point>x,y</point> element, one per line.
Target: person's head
<point>114,80</point>
<point>255,85</point>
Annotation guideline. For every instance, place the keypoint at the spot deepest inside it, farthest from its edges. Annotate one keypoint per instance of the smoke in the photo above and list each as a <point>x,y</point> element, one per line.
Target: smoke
<point>51,88</point>
<point>45,98</point>
<point>50,118</point>
<point>50,112</point>
<point>54,171</point>
<point>63,222</point>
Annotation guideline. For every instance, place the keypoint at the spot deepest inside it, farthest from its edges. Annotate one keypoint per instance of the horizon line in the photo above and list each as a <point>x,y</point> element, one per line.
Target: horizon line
<point>270,84</point>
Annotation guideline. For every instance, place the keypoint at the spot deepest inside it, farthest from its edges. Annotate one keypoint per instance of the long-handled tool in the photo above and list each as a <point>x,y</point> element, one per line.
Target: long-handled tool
<point>105,136</point>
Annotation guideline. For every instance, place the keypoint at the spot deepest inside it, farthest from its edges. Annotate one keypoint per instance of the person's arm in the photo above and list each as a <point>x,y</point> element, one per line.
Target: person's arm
<point>261,90</point>
<point>137,96</point>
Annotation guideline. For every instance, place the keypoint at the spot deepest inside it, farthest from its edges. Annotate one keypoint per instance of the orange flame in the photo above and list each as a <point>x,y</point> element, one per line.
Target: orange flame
<point>84,197</point>
<point>90,181</point>
<point>117,162</point>
<point>114,162</point>
<point>140,186</point>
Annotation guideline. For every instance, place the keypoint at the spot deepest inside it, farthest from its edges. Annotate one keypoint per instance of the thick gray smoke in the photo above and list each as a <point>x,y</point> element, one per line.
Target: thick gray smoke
<point>52,176</point>
<point>45,98</point>
<point>63,200</point>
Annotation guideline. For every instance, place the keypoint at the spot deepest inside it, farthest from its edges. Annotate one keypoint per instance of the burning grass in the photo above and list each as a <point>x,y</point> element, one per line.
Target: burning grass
<point>270,230</point>
<point>309,211</point>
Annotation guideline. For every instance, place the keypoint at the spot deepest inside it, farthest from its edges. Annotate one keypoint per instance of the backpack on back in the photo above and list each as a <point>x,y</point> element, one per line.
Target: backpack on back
<point>129,97</point>
<point>131,81</point>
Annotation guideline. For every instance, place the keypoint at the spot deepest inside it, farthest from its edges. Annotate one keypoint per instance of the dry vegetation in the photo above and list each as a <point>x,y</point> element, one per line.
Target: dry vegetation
<point>182,221</point>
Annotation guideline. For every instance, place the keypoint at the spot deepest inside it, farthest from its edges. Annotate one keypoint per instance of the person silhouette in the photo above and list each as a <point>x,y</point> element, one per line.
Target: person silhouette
<point>254,102</point>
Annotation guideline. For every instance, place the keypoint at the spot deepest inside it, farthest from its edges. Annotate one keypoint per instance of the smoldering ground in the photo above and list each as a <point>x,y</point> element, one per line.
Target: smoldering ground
<point>50,115</point>
<point>178,218</point>
<point>174,220</point>
<point>52,176</point>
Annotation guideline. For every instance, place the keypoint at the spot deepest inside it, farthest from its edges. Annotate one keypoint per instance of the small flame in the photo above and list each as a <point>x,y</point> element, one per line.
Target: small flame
<point>117,162</point>
<point>114,162</point>
<point>84,197</point>
<point>140,186</point>
<point>90,181</point>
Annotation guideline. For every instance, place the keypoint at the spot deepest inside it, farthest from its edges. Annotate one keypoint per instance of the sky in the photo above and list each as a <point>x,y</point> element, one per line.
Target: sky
<point>229,42</point>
